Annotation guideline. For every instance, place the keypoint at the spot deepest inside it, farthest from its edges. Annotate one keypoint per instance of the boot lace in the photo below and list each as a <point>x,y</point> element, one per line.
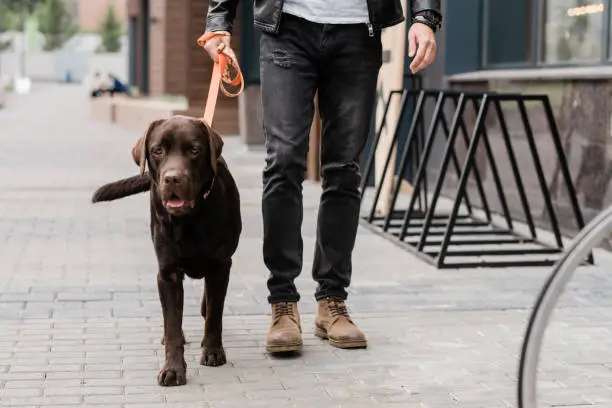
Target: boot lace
<point>337,308</point>
<point>283,309</point>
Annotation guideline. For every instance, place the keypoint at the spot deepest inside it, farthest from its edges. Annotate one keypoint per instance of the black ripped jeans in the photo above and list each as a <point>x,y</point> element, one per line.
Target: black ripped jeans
<point>341,62</point>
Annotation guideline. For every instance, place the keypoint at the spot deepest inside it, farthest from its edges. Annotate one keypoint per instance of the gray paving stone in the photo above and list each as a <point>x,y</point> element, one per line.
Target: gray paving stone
<point>192,404</point>
<point>39,401</point>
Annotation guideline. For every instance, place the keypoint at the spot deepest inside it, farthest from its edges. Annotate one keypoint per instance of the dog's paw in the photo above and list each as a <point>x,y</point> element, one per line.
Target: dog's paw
<point>213,357</point>
<point>172,374</point>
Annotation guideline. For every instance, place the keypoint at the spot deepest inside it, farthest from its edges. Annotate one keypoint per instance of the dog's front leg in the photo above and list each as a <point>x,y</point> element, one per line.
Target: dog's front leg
<point>216,282</point>
<point>174,371</point>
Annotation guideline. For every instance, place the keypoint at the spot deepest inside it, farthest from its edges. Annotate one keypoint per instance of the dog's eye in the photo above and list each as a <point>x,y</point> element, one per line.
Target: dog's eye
<point>194,150</point>
<point>157,151</point>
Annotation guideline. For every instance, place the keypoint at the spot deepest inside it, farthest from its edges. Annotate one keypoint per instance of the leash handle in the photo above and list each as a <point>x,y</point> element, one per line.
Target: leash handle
<point>221,75</point>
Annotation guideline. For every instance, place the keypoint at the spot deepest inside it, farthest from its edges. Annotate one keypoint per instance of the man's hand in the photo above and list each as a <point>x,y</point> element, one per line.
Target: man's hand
<point>422,36</point>
<point>216,44</point>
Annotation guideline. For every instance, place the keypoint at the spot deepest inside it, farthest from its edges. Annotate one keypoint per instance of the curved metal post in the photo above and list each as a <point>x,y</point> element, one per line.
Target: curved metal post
<point>589,237</point>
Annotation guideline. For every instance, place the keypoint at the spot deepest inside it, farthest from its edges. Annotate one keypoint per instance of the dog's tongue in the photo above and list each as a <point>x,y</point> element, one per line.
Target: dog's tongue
<point>175,203</point>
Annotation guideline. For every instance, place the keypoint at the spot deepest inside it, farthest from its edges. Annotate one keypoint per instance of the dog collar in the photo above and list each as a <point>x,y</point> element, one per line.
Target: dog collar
<point>207,192</point>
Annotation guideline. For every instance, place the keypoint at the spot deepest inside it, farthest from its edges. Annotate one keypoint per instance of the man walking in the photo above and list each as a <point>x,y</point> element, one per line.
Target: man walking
<point>333,47</point>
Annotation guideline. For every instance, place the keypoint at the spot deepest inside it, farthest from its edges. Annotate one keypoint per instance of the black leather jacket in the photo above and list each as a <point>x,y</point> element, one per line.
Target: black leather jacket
<point>383,13</point>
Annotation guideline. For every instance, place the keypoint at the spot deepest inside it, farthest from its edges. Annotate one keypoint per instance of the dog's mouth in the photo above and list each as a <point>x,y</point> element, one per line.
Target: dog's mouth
<point>175,203</point>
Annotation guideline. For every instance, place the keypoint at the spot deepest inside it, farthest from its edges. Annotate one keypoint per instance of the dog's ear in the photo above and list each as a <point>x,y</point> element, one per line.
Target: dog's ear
<point>137,150</point>
<point>140,151</point>
<point>215,145</point>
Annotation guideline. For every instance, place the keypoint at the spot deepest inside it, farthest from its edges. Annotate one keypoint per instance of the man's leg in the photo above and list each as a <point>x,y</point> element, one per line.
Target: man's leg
<point>346,100</point>
<point>288,83</point>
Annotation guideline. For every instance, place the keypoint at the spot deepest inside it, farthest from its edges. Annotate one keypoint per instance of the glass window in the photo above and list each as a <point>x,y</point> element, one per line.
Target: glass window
<point>572,30</point>
<point>508,33</point>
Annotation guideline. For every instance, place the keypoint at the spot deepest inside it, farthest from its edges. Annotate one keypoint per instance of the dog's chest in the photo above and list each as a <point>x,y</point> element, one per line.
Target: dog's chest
<point>195,242</point>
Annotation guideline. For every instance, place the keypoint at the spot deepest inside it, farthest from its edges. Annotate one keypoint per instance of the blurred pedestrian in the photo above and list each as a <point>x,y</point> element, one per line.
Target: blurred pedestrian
<point>107,83</point>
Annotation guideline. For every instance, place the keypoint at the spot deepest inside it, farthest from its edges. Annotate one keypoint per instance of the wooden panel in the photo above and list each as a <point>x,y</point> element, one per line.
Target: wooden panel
<point>200,65</point>
<point>139,52</point>
<point>390,77</point>
<point>133,8</point>
<point>177,46</point>
<point>313,170</point>
<point>157,49</point>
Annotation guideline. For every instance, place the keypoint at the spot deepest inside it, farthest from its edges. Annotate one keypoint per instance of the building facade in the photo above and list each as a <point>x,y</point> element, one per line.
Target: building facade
<point>561,48</point>
<point>527,34</point>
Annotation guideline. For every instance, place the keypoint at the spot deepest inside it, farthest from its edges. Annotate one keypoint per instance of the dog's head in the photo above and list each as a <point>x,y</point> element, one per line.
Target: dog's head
<point>181,154</point>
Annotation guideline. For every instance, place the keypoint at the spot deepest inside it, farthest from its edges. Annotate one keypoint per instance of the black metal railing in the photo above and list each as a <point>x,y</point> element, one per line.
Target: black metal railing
<point>472,237</point>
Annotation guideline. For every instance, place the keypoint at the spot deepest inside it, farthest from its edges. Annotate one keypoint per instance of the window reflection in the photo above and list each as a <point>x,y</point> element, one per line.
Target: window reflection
<point>508,30</point>
<point>572,30</point>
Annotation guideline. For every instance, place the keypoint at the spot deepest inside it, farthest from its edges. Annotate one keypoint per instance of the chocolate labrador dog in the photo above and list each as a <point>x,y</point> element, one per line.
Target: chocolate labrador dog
<point>195,227</point>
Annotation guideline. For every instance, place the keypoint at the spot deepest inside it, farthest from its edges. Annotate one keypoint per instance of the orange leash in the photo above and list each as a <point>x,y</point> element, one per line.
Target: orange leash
<point>221,76</point>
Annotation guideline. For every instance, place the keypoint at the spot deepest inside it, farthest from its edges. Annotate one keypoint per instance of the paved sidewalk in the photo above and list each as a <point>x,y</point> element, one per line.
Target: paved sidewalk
<point>80,321</point>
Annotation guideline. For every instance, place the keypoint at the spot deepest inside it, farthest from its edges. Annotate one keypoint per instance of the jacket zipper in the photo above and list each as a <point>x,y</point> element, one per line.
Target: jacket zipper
<point>369,23</point>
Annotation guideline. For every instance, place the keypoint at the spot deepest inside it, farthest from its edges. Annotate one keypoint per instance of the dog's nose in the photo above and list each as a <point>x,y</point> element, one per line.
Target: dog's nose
<point>172,177</point>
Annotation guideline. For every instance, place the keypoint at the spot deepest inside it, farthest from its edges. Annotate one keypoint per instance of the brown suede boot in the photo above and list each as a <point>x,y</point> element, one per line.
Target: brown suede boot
<point>333,323</point>
<point>285,331</point>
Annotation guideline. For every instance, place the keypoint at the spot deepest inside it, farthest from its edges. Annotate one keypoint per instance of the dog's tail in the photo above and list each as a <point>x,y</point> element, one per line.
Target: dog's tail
<point>122,188</point>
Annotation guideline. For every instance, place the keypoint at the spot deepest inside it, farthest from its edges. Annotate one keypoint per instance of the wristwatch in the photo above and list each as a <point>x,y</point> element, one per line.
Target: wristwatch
<point>430,18</point>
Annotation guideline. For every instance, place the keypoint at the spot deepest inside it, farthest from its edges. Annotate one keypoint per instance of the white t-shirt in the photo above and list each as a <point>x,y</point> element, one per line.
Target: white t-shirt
<point>329,11</point>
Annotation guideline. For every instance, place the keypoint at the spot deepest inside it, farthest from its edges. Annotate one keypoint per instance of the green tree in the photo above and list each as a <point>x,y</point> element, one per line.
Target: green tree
<point>56,24</point>
<point>7,23</point>
<point>8,18</point>
<point>110,31</point>
<point>13,12</point>
<point>17,5</point>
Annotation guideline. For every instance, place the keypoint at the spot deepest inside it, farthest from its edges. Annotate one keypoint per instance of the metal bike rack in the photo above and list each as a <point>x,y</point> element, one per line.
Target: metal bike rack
<point>588,238</point>
<point>456,239</point>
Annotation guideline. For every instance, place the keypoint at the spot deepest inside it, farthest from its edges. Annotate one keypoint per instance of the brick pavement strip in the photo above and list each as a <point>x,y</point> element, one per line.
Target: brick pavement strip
<point>80,320</point>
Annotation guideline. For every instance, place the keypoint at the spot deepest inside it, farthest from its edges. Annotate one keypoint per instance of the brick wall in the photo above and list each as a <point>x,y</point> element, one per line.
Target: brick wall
<point>169,46</point>
<point>178,65</point>
<point>177,45</point>
<point>157,48</point>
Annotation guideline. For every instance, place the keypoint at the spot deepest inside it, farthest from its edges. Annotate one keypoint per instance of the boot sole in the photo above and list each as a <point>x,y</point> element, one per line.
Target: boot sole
<point>351,344</point>
<point>286,348</point>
